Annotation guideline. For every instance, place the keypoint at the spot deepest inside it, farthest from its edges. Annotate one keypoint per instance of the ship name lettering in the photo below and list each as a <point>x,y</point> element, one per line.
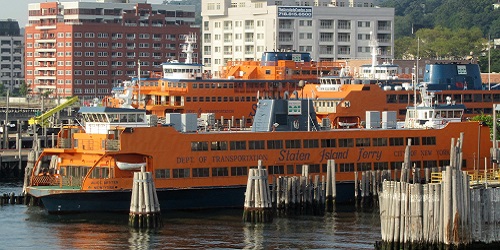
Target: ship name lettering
<point>426,152</point>
<point>401,153</point>
<point>187,159</point>
<point>289,155</point>
<point>330,154</point>
<point>239,158</point>
<point>443,152</point>
<point>369,154</point>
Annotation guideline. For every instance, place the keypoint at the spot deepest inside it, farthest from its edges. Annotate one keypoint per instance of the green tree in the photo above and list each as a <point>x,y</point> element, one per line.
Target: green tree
<point>494,59</point>
<point>488,120</point>
<point>23,89</point>
<point>2,90</point>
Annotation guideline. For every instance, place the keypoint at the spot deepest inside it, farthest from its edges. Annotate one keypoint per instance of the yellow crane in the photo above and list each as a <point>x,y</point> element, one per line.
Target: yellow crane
<point>43,119</point>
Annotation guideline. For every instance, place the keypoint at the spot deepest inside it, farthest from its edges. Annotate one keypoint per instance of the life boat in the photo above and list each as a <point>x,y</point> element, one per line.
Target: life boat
<point>130,166</point>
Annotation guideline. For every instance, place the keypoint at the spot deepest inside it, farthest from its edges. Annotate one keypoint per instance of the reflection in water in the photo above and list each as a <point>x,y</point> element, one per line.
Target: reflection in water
<point>344,229</point>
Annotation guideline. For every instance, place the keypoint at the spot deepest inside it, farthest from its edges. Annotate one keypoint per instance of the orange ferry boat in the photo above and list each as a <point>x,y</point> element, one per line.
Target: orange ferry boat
<point>343,100</point>
<point>183,87</point>
<point>193,167</point>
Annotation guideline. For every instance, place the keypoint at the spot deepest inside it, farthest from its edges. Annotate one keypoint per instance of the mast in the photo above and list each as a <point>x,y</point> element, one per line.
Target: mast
<point>374,44</point>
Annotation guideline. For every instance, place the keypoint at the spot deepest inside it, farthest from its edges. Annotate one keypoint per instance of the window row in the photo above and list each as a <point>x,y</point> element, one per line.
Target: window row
<point>311,143</point>
<point>293,169</point>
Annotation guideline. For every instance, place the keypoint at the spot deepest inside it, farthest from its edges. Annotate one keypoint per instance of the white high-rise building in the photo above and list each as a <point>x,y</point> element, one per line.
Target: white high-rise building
<point>328,29</point>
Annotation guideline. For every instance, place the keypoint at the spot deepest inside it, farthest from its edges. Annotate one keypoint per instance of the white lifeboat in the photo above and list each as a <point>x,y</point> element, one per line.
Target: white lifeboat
<point>130,166</point>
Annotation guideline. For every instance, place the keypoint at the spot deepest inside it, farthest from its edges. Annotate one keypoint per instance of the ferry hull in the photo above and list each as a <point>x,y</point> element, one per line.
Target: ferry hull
<point>179,199</point>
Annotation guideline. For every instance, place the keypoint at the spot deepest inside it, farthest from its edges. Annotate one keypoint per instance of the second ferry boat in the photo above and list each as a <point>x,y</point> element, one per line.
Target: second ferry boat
<point>183,87</point>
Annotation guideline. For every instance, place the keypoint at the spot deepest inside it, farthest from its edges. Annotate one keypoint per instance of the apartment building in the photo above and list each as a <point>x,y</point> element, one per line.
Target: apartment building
<point>86,48</point>
<point>11,54</point>
<point>328,29</point>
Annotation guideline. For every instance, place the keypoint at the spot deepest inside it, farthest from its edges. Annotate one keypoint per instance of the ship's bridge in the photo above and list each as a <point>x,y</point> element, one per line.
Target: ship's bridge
<point>99,120</point>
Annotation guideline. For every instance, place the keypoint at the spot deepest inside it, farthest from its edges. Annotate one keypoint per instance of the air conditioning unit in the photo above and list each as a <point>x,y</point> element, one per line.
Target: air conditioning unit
<point>326,123</point>
<point>346,104</point>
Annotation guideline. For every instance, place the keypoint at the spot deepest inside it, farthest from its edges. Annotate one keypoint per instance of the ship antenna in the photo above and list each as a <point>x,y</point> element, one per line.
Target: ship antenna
<point>374,44</point>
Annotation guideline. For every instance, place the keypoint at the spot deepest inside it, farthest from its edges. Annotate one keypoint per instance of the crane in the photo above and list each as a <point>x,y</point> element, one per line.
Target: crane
<point>43,119</point>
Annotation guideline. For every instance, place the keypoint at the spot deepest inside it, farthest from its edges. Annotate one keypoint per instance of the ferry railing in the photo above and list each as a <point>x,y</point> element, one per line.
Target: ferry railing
<point>476,177</point>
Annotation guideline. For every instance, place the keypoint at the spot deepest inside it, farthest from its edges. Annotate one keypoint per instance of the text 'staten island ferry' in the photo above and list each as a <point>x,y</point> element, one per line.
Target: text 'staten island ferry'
<point>183,87</point>
<point>92,167</point>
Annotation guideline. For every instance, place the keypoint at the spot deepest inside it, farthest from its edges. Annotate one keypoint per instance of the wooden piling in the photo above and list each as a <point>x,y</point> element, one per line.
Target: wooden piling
<point>144,205</point>
<point>258,206</point>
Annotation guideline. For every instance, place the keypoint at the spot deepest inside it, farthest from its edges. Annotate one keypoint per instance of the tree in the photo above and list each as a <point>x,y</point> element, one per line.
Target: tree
<point>23,89</point>
<point>488,120</point>
<point>494,59</point>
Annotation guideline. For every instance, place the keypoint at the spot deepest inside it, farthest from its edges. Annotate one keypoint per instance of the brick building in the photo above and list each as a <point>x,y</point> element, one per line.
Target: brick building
<point>86,48</point>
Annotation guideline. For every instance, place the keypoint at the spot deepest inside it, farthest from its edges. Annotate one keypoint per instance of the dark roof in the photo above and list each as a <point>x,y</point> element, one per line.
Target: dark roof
<point>85,110</point>
<point>9,28</point>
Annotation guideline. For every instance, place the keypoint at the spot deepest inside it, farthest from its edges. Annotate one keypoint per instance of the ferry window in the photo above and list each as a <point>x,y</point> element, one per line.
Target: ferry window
<point>268,71</point>
<point>188,99</point>
<point>487,111</point>
<point>231,99</point>
<point>237,99</point>
<point>391,99</point>
<point>289,169</point>
<point>113,117</point>
<point>403,98</point>
<point>201,86</point>
<point>201,99</point>
<point>444,163</point>
<point>223,171</point>
<point>238,145</point>
<point>162,173</point>
<point>429,140</point>
<point>180,172</point>
<point>195,98</point>
<point>379,142</point>
<point>478,98</point>
<point>457,98</point>
<point>123,118</point>
<point>201,172</point>
<point>248,98</point>
<point>292,143</point>
<point>396,165</point>
<point>314,168</point>
<point>363,166</point>
<point>231,85</point>
<point>132,117</point>
<point>313,143</point>
<point>219,99</point>
<point>224,86</point>
<point>414,140</point>
<point>254,99</point>
<point>328,143</point>
<point>140,117</point>
<point>274,144</point>
<point>430,164</point>
<point>256,145</point>
<point>207,85</point>
<point>218,145</point>
<point>346,167</point>
<point>346,143</point>
<point>225,99</point>
<point>380,166</point>
<point>402,112</point>
<point>467,98</point>
<point>199,146</point>
<point>239,171</point>
<point>362,142</point>
<point>496,97</point>
<point>487,98</point>
<point>276,170</point>
<point>396,141</point>
<point>417,164</point>
<point>298,169</point>
<point>195,85</point>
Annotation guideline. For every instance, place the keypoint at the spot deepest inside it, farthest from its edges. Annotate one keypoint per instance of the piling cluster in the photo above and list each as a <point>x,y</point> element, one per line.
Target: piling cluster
<point>144,205</point>
<point>437,215</point>
<point>288,195</point>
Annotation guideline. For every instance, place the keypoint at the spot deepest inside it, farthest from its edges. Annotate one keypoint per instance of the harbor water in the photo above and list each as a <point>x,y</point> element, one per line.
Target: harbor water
<point>32,228</point>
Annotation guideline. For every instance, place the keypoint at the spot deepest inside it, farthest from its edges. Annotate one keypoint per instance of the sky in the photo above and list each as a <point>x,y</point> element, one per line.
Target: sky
<point>18,9</point>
